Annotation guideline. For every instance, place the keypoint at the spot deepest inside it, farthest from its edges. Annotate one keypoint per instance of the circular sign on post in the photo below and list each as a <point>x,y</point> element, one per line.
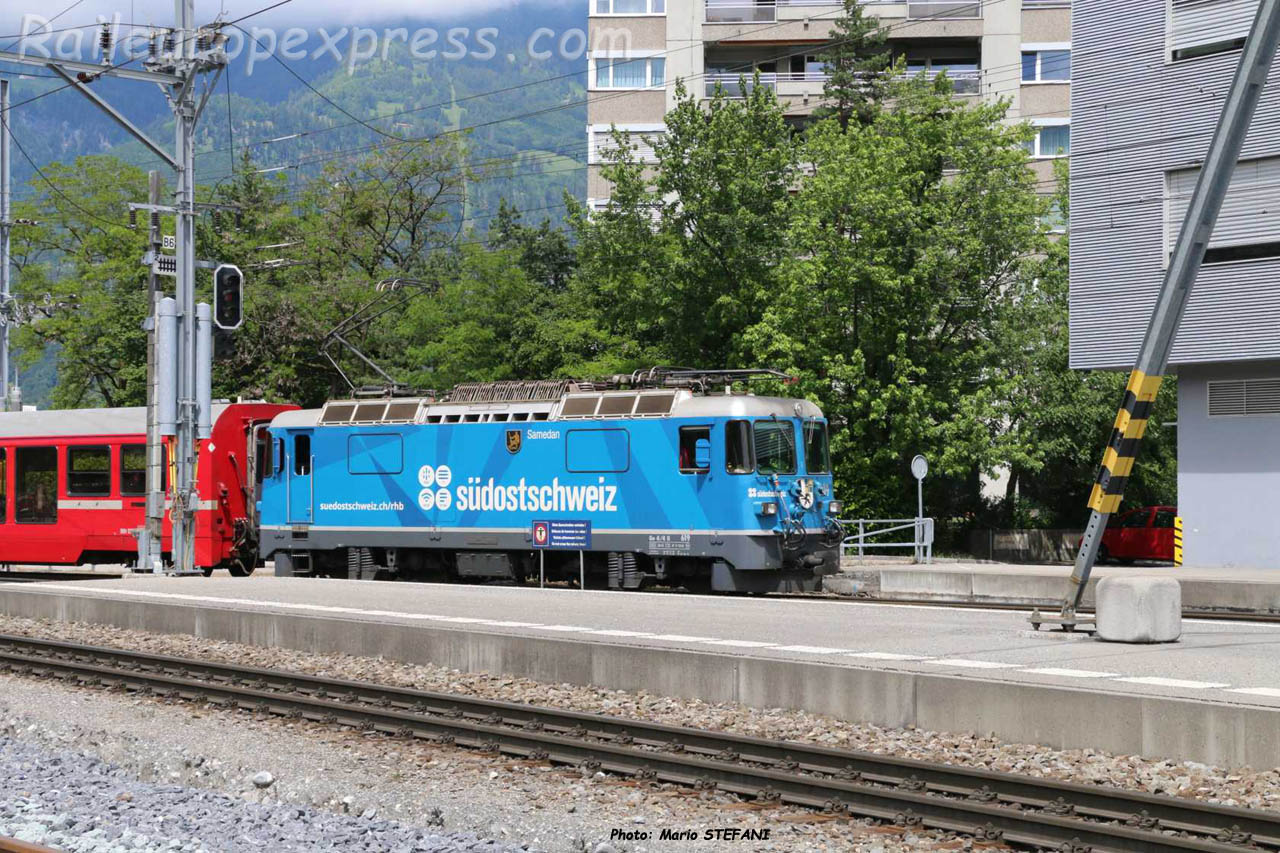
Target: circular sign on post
<point>920,467</point>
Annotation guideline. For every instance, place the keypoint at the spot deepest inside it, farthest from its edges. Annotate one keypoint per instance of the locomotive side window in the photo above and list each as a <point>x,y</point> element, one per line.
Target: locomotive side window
<point>4,485</point>
<point>133,470</point>
<point>737,448</point>
<point>775,447</point>
<point>695,449</point>
<point>89,471</point>
<point>817,453</point>
<point>302,455</point>
<point>36,485</point>
<point>279,456</point>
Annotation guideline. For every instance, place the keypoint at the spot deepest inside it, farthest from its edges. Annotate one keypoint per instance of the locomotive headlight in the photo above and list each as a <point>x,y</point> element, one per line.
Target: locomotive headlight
<point>834,508</point>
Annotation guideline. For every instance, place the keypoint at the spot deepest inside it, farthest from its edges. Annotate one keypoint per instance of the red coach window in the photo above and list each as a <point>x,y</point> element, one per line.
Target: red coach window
<point>133,470</point>
<point>89,471</point>
<point>4,485</point>
<point>36,488</point>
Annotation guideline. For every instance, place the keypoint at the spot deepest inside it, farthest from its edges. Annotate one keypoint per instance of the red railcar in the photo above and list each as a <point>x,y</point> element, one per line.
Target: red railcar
<point>73,486</point>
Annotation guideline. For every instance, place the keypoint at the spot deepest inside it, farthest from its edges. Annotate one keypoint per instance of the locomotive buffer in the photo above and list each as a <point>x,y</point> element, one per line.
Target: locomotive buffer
<point>1184,266</point>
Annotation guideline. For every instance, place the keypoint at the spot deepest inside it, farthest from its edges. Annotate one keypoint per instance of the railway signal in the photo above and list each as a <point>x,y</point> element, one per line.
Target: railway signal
<point>228,297</point>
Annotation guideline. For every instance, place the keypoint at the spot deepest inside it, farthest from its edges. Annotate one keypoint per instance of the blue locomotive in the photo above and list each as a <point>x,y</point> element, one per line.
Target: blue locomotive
<point>650,478</point>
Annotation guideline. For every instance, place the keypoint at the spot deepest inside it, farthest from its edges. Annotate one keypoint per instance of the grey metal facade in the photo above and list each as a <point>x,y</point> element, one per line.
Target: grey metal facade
<point>1228,474</point>
<point>1137,116</point>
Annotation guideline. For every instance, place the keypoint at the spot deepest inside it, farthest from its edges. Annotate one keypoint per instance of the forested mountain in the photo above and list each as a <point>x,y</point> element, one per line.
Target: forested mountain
<point>527,113</point>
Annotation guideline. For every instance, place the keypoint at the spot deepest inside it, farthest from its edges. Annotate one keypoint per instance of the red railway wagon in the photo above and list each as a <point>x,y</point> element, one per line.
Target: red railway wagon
<point>73,486</point>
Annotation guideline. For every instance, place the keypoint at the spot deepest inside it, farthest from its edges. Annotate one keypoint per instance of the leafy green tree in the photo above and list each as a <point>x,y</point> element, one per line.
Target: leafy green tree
<point>688,253</point>
<point>904,245</point>
<point>79,258</point>
<point>856,59</point>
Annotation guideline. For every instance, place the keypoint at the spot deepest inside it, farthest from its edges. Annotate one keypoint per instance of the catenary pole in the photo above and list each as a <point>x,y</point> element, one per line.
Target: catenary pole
<point>1188,255</point>
<point>151,543</point>
<point>188,53</point>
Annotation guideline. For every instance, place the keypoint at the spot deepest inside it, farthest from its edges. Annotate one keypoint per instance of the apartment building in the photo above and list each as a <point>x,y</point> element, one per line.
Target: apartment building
<point>1014,49</point>
<point>1149,81</point>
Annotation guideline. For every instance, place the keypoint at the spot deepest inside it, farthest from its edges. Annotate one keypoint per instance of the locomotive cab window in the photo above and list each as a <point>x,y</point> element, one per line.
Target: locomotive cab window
<point>775,447</point>
<point>302,455</point>
<point>36,485</point>
<point>737,448</point>
<point>817,453</point>
<point>695,449</point>
<point>89,471</point>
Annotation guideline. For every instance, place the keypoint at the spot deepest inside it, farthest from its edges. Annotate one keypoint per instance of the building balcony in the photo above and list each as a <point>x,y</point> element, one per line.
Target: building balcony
<point>811,83</point>
<point>745,12</point>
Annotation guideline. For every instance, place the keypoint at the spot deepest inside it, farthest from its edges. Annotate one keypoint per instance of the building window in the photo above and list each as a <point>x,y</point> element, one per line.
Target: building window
<point>1053,219</point>
<point>1053,139</point>
<point>1046,64</point>
<point>36,485</point>
<point>640,73</point>
<point>89,471</point>
<point>630,7</point>
<point>1205,27</point>
<point>638,137</point>
<point>1247,228</point>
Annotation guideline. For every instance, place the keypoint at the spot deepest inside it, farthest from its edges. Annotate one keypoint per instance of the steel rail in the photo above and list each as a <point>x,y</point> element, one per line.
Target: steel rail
<point>14,845</point>
<point>987,804</point>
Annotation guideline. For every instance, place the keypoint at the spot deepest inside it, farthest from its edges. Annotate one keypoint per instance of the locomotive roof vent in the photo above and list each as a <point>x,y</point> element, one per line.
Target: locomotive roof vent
<point>371,412</point>
<point>625,405</point>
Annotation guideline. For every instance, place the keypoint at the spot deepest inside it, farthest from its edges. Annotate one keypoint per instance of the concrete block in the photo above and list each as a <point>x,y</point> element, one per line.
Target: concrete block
<point>1139,610</point>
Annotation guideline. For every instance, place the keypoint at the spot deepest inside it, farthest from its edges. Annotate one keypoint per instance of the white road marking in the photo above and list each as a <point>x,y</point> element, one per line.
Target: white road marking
<point>742,644</point>
<point>681,638</point>
<point>885,656</point>
<point>515,624</point>
<point>564,628</point>
<point>1070,673</point>
<point>972,664</point>
<point>1157,681</point>
<point>615,633</point>
<point>465,620</point>
<point>1270,692</point>
<point>809,650</point>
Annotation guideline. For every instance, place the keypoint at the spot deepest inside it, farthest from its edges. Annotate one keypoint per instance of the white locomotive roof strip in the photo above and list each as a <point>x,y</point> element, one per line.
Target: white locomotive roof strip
<point>962,663</point>
<point>685,406</point>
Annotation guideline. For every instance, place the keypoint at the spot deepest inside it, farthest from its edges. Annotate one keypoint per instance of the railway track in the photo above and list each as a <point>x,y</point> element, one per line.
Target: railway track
<point>1020,810</point>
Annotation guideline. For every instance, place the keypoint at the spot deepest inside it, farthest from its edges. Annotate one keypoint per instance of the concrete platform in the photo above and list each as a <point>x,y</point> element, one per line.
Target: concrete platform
<point>1214,697</point>
<point>1228,590</point>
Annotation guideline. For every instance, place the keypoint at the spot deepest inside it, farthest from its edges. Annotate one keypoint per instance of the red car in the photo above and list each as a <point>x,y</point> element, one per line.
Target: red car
<point>1140,534</point>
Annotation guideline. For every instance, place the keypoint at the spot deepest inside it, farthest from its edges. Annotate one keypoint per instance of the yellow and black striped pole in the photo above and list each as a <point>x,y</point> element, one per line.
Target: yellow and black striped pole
<point>1177,540</point>
<point>1219,164</point>
<point>1122,446</point>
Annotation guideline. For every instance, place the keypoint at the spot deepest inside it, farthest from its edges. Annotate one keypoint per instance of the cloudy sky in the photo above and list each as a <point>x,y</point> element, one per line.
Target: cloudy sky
<point>306,13</point>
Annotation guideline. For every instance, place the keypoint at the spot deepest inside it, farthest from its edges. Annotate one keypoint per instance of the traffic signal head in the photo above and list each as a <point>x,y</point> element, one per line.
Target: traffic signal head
<point>228,297</point>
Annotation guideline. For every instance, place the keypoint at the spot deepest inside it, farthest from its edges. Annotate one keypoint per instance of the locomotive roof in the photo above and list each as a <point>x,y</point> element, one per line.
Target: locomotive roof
<point>574,406</point>
<point>74,422</point>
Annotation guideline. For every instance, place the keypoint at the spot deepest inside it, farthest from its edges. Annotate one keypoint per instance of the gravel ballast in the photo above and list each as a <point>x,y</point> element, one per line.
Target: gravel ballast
<point>556,810</point>
<point>82,804</point>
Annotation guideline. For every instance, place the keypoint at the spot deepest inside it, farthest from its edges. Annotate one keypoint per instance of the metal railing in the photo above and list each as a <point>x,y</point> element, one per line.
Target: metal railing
<point>740,84</point>
<point>868,529</point>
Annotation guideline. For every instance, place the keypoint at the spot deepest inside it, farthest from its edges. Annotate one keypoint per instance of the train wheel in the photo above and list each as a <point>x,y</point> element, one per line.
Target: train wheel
<point>239,569</point>
<point>208,571</point>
